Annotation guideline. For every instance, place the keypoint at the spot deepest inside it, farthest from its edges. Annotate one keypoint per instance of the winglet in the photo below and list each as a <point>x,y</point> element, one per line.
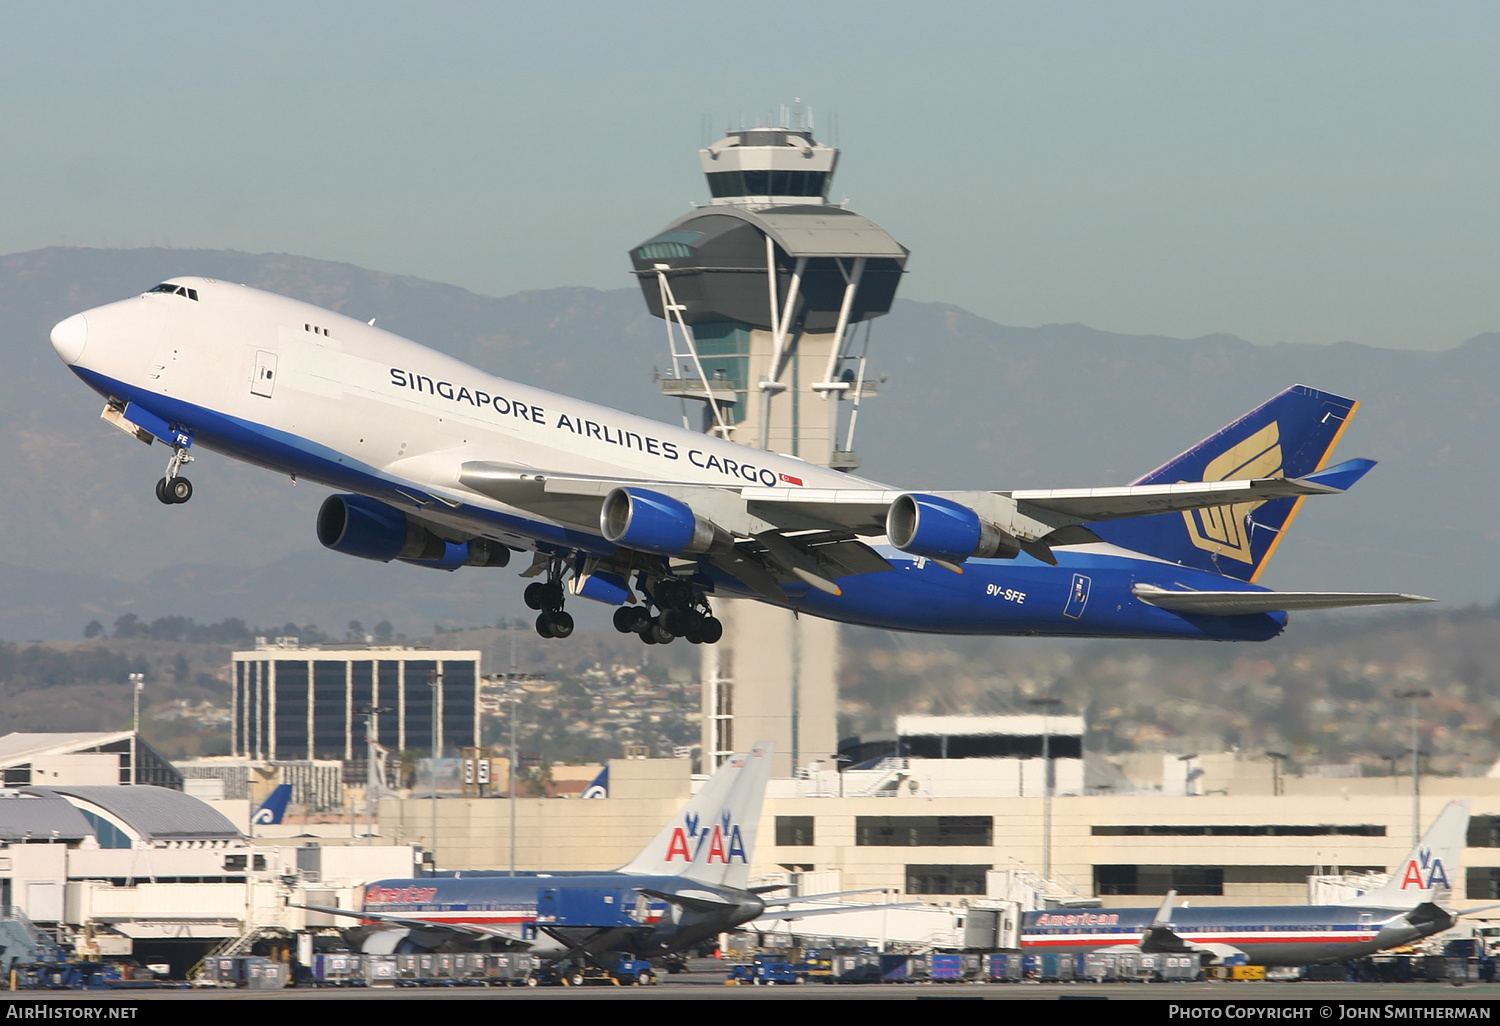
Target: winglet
<point>1341,476</point>
<point>1164,910</point>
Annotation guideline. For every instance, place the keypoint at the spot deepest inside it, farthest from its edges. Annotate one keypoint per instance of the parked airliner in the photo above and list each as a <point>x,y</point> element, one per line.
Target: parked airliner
<point>1406,909</point>
<point>689,884</point>
<point>445,466</point>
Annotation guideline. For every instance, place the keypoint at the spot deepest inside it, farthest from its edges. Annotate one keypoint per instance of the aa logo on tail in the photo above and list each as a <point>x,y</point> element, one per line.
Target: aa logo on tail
<point>723,842</point>
<point>1424,872</point>
<point>1222,529</point>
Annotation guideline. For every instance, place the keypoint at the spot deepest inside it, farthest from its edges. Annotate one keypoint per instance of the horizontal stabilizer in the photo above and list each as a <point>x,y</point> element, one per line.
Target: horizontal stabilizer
<point>1247,603</point>
<point>701,902</point>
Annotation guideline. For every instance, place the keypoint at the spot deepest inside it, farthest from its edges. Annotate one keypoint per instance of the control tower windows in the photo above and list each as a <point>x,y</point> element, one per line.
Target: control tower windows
<point>667,246</point>
<point>722,184</point>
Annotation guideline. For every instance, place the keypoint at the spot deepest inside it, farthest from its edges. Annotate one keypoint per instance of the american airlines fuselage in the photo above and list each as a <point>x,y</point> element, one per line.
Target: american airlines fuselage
<point>1268,935</point>
<point>552,914</point>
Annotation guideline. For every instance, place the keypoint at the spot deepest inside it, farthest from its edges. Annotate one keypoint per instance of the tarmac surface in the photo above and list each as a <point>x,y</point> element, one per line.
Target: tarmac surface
<point>1310,1000</point>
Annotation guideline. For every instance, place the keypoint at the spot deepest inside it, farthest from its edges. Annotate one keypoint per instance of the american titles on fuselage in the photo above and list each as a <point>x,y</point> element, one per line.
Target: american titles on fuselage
<point>534,414</point>
<point>1079,919</point>
<point>399,895</point>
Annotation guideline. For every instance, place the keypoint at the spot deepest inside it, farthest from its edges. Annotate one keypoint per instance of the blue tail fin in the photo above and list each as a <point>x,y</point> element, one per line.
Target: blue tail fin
<point>274,807</point>
<point>1292,435</point>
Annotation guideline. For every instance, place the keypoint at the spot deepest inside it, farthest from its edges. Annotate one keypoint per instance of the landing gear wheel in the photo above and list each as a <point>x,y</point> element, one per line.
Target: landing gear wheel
<point>179,489</point>
<point>556,624</point>
<point>533,594</point>
<point>658,634</point>
<point>624,620</point>
<point>161,492</point>
<point>711,630</point>
<point>674,622</point>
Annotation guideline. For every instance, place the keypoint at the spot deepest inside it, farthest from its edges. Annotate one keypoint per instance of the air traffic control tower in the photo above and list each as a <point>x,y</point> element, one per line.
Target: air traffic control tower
<point>768,292</point>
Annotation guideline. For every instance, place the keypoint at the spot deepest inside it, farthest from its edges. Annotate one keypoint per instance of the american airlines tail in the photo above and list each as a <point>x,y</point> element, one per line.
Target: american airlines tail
<point>712,837</point>
<point>1428,871</point>
<point>728,864</point>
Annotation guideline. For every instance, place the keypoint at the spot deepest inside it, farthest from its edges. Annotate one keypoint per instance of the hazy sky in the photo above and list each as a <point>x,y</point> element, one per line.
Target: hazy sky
<point>1283,172</point>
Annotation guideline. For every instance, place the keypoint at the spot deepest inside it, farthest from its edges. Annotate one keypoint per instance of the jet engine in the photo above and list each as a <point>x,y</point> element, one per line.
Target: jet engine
<point>360,526</point>
<point>636,518</point>
<point>938,528</point>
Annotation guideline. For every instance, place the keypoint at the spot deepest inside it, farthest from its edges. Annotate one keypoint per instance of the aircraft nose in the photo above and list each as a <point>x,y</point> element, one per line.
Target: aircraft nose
<point>69,336</point>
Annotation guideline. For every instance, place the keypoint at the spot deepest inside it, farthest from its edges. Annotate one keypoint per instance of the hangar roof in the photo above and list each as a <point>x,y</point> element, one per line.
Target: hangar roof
<point>18,748</point>
<point>32,817</point>
<point>153,813</point>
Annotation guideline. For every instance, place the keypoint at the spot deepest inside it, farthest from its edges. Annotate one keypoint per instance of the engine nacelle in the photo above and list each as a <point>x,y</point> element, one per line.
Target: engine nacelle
<point>360,526</point>
<point>938,528</point>
<point>635,518</point>
<point>474,552</point>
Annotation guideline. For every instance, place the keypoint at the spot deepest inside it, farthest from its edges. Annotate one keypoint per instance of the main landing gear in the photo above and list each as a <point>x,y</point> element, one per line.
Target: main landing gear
<point>682,612</point>
<point>173,488</point>
<point>548,597</point>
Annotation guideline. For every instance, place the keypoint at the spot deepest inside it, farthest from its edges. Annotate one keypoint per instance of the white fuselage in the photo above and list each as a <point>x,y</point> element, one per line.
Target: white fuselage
<point>351,395</point>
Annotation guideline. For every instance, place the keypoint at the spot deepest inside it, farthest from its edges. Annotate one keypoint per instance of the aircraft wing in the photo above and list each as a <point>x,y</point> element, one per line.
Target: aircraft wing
<point>1244,603</point>
<point>785,534</point>
<point>787,914</point>
<point>478,931</point>
<point>764,556</point>
<point>863,509</point>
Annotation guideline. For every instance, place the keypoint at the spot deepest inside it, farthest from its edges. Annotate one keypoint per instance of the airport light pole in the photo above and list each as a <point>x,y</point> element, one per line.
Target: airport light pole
<point>435,682</point>
<point>1414,696</point>
<point>373,788</point>
<point>1047,703</point>
<point>137,685</point>
<point>1277,758</point>
<point>512,694</point>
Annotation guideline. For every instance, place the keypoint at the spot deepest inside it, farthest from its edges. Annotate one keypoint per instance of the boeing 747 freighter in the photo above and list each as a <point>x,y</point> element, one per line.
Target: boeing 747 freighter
<point>441,465</point>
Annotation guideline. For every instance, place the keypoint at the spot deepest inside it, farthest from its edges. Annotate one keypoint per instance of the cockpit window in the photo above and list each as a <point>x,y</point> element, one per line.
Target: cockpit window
<point>175,290</point>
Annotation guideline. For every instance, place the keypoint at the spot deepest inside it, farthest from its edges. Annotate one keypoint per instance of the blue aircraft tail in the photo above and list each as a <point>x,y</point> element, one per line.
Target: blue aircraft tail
<point>1292,435</point>
<point>274,807</point>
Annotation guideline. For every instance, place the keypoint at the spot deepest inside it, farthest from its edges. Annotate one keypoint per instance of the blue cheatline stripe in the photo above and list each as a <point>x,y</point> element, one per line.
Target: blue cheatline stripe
<point>287,453</point>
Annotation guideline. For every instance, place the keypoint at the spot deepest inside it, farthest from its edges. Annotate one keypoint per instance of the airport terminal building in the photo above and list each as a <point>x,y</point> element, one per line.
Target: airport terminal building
<point>295,702</point>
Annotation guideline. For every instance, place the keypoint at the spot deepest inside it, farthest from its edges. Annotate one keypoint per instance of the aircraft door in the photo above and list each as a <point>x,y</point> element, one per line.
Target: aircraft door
<point>264,379</point>
<point>1078,597</point>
